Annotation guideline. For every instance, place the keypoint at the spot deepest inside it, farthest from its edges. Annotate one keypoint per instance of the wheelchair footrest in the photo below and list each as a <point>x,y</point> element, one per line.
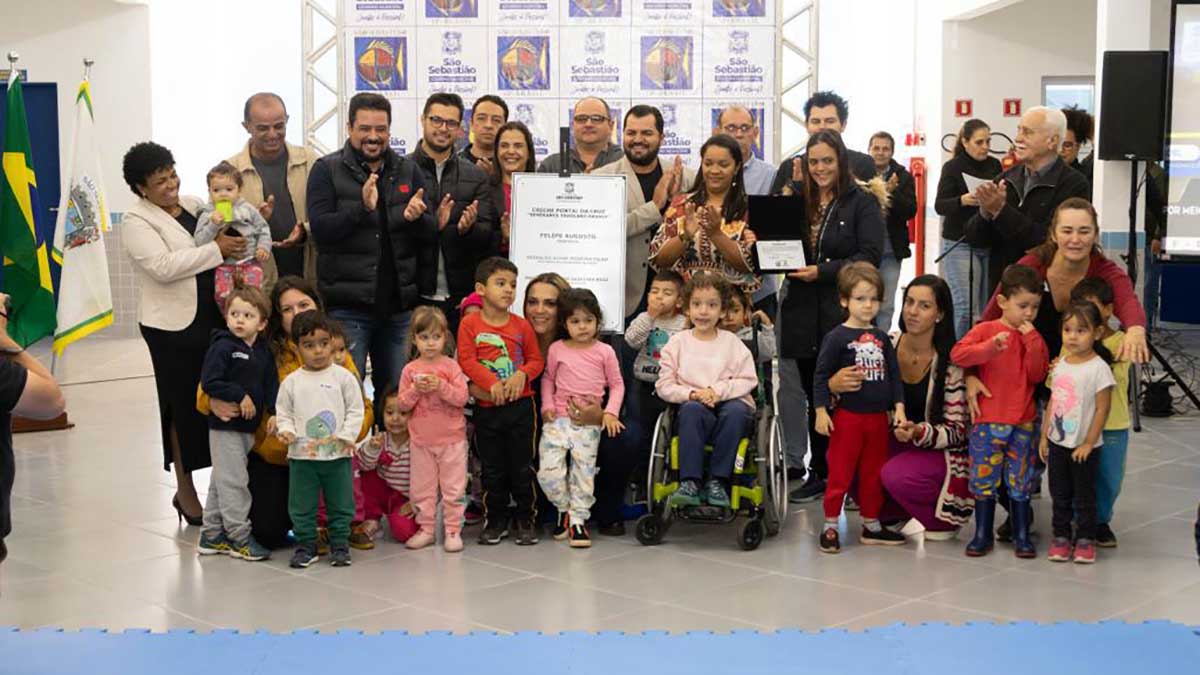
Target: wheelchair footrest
<point>705,514</point>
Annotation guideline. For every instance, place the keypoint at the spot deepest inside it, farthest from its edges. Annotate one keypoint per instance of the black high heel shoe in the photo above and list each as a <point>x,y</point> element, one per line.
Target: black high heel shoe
<point>195,521</point>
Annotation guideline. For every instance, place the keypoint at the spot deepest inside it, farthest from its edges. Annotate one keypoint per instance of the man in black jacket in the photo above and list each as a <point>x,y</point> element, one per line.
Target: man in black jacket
<point>823,110</point>
<point>902,205</point>
<point>368,217</point>
<point>1015,213</point>
<point>458,191</point>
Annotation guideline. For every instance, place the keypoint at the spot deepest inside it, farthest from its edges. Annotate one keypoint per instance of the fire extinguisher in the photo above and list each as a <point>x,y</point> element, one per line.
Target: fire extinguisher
<point>1009,159</point>
<point>916,224</point>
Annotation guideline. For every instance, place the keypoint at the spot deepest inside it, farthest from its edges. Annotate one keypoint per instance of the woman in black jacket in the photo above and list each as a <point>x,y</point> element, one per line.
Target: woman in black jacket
<point>956,205</point>
<point>513,154</point>
<point>844,224</point>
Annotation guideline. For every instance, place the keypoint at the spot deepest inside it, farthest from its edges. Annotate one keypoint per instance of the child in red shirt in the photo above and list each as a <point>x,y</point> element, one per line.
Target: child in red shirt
<point>1011,359</point>
<point>499,353</point>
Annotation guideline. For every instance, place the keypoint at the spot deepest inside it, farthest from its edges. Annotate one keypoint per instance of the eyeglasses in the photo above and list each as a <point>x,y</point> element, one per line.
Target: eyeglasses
<point>733,129</point>
<point>442,122</point>
<point>594,119</point>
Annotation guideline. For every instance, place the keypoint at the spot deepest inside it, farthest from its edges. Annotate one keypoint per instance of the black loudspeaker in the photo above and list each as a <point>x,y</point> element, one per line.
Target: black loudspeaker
<point>1133,106</point>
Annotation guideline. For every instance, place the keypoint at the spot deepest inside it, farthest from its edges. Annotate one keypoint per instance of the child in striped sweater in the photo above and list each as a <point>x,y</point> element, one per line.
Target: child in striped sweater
<point>383,463</point>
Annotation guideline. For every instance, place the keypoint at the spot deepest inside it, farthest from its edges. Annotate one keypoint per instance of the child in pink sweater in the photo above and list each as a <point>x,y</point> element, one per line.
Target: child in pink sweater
<point>434,388</point>
<point>713,385</point>
<point>577,366</point>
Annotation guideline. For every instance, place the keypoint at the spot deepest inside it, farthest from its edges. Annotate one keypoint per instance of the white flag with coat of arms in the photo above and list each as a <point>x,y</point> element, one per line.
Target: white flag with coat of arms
<point>84,295</point>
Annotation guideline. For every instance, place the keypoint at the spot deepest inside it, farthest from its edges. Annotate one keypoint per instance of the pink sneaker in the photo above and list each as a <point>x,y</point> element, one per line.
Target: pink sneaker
<point>1085,552</point>
<point>419,540</point>
<point>1060,549</point>
<point>453,543</point>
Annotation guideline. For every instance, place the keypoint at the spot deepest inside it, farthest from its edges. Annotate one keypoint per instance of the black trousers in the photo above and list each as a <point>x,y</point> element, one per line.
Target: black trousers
<point>506,440</point>
<point>269,519</point>
<point>1073,489</point>
<point>619,457</point>
<point>818,445</point>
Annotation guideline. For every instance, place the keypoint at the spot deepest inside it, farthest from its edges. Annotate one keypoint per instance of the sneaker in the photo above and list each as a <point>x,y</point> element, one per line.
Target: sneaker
<point>830,543</point>
<point>1105,537</point>
<point>1060,549</point>
<point>453,542</point>
<point>688,494</point>
<point>493,534</point>
<point>473,514</point>
<point>1085,552</point>
<point>1004,532</point>
<point>360,538</point>
<point>218,545</point>
<point>419,540</point>
<point>884,537</point>
<point>851,505</point>
<point>941,535</point>
<point>322,541</point>
<point>339,556</point>
<point>795,473</point>
<point>527,534</point>
<point>249,550</point>
<point>560,526</point>
<point>579,537</point>
<point>715,495</point>
<point>616,529</point>
<point>813,490</point>
<point>304,555</point>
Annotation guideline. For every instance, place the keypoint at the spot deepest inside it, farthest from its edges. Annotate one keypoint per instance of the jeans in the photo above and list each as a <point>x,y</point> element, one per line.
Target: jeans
<point>383,339</point>
<point>1151,270</point>
<point>723,427</point>
<point>1110,473</point>
<point>956,270</point>
<point>889,269</point>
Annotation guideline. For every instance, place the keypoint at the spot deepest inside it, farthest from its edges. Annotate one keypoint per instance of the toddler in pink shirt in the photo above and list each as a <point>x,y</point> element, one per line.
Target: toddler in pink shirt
<point>434,388</point>
<point>577,366</point>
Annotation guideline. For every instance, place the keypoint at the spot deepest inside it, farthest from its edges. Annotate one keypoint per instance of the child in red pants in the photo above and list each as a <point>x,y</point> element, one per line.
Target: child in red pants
<point>858,431</point>
<point>383,474</point>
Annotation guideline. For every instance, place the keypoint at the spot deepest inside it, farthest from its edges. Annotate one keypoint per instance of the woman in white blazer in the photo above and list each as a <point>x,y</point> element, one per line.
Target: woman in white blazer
<point>177,311</point>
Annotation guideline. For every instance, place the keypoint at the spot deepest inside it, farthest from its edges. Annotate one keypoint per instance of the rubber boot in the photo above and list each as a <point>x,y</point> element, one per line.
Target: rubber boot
<point>1022,515</point>
<point>985,518</point>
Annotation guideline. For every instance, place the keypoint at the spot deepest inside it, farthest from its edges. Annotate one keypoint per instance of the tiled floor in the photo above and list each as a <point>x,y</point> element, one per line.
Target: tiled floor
<point>96,544</point>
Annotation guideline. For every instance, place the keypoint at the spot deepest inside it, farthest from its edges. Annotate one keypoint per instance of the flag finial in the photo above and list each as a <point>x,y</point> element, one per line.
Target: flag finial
<point>87,68</point>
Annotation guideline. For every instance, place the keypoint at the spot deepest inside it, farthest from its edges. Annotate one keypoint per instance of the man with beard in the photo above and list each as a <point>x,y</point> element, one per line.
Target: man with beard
<point>489,114</point>
<point>649,190</point>
<point>465,216</point>
<point>822,110</point>
<point>368,211</point>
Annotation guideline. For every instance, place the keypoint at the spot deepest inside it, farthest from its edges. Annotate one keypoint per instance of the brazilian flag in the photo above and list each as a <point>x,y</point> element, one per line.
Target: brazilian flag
<point>26,262</point>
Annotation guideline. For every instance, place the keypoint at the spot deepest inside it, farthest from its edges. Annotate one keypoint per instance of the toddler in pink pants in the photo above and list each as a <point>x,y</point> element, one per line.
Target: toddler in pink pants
<point>434,388</point>
<point>381,476</point>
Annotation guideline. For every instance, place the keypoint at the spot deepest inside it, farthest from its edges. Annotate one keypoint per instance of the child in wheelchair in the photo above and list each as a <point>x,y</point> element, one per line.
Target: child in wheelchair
<point>712,387</point>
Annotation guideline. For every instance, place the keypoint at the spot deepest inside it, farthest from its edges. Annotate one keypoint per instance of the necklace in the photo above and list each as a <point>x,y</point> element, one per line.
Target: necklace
<point>910,357</point>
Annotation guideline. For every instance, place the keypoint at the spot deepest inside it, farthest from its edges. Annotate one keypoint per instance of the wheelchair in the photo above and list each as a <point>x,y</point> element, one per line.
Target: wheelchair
<point>758,490</point>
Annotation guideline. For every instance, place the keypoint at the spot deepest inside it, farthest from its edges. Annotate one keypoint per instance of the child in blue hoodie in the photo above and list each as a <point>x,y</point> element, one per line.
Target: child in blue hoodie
<point>237,368</point>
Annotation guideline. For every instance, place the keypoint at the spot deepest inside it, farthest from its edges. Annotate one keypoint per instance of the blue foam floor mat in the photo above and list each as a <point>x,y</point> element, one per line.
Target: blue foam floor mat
<point>1097,649</point>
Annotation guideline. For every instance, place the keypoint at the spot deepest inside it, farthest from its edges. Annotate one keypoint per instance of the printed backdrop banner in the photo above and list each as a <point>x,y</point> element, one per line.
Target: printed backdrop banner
<point>688,57</point>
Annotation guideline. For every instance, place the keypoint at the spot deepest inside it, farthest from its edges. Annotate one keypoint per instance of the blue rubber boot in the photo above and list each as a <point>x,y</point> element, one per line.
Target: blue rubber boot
<point>985,518</point>
<point>1022,517</point>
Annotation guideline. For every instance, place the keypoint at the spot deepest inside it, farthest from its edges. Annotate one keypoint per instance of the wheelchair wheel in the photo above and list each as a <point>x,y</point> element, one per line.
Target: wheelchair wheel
<point>660,457</point>
<point>772,472</point>
<point>751,533</point>
<point>650,529</point>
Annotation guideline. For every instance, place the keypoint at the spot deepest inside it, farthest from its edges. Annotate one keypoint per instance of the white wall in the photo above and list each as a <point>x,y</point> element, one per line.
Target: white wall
<point>114,35</point>
<point>1005,54</point>
<point>208,57</point>
<point>866,54</point>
